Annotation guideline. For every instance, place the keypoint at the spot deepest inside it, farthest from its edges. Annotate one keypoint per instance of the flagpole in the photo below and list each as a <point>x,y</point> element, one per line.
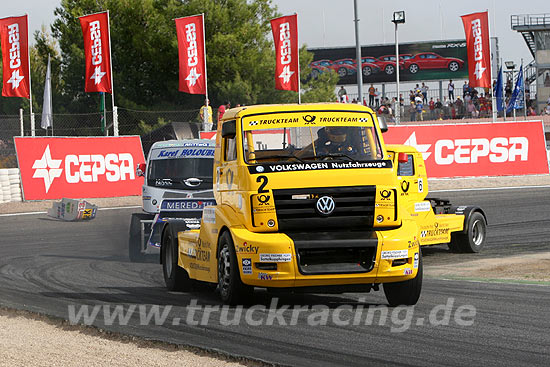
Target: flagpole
<point>298,43</point>
<point>523,84</point>
<point>115,116</point>
<point>30,78</point>
<point>503,90</point>
<point>206,116</point>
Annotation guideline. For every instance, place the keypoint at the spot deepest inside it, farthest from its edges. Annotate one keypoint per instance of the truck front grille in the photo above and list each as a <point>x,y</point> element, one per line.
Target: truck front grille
<point>353,208</point>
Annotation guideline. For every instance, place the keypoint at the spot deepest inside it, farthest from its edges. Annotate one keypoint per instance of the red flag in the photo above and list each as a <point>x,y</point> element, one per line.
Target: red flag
<point>192,54</point>
<point>15,51</point>
<point>476,27</point>
<point>285,36</point>
<point>95,29</point>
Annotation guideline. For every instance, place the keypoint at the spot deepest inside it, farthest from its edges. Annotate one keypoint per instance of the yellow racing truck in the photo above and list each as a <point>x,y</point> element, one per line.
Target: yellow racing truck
<point>309,198</point>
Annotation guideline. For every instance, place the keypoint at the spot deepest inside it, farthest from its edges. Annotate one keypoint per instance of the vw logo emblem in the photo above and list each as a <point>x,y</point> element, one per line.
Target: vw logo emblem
<point>325,205</point>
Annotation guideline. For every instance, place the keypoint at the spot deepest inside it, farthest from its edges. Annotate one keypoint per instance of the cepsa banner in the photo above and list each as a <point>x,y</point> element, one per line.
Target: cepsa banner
<point>473,150</point>
<point>66,167</point>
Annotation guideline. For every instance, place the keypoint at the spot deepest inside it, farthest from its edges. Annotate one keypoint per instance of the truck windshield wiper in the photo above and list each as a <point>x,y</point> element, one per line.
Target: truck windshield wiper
<point>290,155</point>
<point>330,155</point>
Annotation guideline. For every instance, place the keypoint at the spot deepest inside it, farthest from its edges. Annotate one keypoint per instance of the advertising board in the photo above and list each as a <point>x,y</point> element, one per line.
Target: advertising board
<point>79,167</point>
<point>476,150</point>
<point>421,61</point>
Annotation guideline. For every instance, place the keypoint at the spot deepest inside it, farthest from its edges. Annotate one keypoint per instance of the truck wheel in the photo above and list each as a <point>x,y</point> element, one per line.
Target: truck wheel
<point>176,278</point>
<point>405,293</point>
<point>474,239</point>
<point>134,238</point>
<point>231,288</point>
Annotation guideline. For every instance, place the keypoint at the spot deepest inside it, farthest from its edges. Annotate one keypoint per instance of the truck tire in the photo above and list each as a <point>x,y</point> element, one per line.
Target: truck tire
<point>408,292</point>
<point>231,288</point>
<point>175,278</point>
<point>134,238</point>
<point>474,239</point>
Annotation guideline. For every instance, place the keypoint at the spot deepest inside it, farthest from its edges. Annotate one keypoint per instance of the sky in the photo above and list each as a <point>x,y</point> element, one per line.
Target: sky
<point>329,23</point>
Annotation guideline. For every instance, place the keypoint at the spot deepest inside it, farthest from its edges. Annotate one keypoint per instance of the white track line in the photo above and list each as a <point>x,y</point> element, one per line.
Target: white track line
<point>495,188</point>
<point>33,213</point>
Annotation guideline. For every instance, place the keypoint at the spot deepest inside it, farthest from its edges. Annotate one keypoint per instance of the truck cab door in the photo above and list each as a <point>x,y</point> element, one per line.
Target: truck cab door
<point>413,185</point>
<point>226,175</point>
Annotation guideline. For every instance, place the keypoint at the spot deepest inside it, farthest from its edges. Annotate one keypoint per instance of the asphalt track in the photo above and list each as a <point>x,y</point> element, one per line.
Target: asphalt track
<point>48,265</point>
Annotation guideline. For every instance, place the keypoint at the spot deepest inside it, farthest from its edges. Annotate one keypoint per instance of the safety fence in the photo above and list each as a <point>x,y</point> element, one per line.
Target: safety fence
<point>147,124</point>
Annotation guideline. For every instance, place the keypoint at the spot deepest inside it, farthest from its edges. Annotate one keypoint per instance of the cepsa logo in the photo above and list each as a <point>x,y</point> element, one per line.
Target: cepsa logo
<point>97,58</point>
<point>15,55</point>
<point>53,168</point>
<point>286,51</point>
<point>478,48</point>
<point>192,53</point>
<point>498,150</point>
<point>83,167</point>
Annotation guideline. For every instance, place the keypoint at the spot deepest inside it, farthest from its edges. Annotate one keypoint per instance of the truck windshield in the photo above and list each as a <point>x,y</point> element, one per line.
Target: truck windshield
<point>187,174</point>
<point>312,143</point>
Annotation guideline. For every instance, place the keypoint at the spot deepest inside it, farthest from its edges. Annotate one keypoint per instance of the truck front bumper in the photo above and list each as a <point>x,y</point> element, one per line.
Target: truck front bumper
<point>326,259</point>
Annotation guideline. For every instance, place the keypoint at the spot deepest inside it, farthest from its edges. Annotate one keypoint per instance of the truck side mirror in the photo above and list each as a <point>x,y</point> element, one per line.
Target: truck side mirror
<point>403,157</point>
<point>140,170</point>
<point>229,129</point>
<point>382,124</point>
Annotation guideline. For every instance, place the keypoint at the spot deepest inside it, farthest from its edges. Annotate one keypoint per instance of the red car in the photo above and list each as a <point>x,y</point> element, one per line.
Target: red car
<point>371,65</point>
<point>387,65</point>
<point>319,66</point>
<point>344,67</point>
<point>430,60</point>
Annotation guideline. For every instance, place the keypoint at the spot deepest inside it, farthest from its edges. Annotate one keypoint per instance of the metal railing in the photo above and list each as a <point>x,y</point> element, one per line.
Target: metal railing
<point>524,20</point>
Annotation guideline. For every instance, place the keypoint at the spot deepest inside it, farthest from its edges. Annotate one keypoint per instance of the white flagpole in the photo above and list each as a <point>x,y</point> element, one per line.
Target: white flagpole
<point>298,43</point>
<point>115,115</point>
<point>206,115</point>
<point>33,133</point>
<point>524,96</point>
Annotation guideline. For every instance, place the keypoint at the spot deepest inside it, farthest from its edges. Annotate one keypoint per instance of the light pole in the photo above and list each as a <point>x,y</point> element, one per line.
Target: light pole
<point>358,63</point>
<point>398,18</point>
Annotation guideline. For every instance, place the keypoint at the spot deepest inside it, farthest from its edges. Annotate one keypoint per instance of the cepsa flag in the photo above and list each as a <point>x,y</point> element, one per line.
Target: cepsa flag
<point>15,52</point>
<point>476,27</point>
<point>285,36</point>
<point>95,29</point>
<point>469,150</point>
<point>192,57</point>
<point>54,168</point>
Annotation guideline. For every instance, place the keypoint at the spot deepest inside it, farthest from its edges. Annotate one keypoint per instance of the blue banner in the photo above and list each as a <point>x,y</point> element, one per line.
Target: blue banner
<point>499,91</point>
<point>516,102</point>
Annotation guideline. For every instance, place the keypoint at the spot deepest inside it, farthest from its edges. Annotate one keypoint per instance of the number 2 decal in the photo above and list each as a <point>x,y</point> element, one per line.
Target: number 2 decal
<point>263,180</point>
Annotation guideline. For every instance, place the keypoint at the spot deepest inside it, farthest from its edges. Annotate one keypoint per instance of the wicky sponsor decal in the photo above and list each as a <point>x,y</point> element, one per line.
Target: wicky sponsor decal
<point>245,248</point>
